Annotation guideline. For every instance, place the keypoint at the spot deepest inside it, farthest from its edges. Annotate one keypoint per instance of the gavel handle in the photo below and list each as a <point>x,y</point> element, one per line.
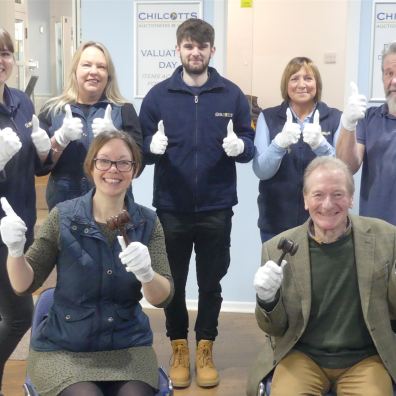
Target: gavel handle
<point>282,256</point>
<point>124,235</point>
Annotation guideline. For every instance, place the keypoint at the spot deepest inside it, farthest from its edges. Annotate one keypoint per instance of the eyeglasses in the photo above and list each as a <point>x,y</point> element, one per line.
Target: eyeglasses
<point>103,164</point>
<point>6,55</point>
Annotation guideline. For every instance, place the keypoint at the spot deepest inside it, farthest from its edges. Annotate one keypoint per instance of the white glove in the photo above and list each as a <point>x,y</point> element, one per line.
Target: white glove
<point>312,133</point>
<point>40,138</point>
<point>290,134</point>
<point>136,259</point>
<point>354,110</point>
<point>10,144</point>
<point>12,229</point>
<point>232,144</point>
<point>268,279</point>
<point>71,129</point>
<point>100,125</point>
<point>159,142</point>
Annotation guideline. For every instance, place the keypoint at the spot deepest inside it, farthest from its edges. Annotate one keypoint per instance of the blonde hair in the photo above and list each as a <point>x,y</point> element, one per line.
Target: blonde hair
<point>293,67</point>
<point>70,92</point>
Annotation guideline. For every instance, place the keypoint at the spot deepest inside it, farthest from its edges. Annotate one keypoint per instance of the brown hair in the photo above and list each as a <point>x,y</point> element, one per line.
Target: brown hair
<point>195,29</point>
<point>330,163</point>
<point>293,67</point>
<point>105,137</point>
<point>6,43</point>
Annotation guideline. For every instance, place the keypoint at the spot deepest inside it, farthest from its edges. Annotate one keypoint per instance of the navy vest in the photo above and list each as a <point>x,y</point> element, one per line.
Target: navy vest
<point>96,302</point>
<point>280,200</point>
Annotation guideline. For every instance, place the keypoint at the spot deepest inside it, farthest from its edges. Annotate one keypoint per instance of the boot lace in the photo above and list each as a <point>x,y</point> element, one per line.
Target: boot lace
<point>180,356</point>
<point>205,358</point>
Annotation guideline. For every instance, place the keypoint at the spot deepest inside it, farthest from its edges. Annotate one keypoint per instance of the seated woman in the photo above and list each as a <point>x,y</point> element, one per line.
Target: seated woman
<point>96,339</point>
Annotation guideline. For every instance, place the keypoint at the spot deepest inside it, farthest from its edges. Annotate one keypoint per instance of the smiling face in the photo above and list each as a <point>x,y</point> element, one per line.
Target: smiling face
<point>113,183</point>
<point>92,75</point>
<point>301,87</point>
<point>328,199</point>
<point>194,56</point>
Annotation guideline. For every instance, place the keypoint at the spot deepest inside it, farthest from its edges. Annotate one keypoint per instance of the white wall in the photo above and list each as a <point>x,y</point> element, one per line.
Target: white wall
<point>260,41</point>
<point>273,32</point>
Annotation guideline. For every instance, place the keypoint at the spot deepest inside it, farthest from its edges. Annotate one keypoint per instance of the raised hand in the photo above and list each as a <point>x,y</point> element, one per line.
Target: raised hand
<point>71,129</point>
<point>159,141</point>
<point>40,138</point>
<point>100,125</point>
<point>10,144</point>
<point>312,133</point>
<point>232,144</point>
<point>268,280</point>
<point>290,133</point>
<point>136,259</point>
<point>12,229</point>
<point>354,109</point>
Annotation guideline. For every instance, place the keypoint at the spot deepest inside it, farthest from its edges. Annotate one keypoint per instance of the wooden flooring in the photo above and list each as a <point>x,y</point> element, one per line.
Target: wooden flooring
<point>234,351</point>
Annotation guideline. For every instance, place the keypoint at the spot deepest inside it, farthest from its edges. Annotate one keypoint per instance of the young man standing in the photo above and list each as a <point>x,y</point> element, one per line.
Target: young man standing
<point>196,125</point>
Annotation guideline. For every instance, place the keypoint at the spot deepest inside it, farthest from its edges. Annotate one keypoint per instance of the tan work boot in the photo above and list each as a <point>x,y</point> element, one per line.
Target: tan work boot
<point>179,371</point>
<point>207,375</point>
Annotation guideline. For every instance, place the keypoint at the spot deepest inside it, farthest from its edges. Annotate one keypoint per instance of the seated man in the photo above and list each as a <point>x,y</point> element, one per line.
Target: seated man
<point>327,310</point>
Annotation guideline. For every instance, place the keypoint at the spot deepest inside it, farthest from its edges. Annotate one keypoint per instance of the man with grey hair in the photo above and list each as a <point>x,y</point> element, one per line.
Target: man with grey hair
<point>368,137</point>
<point>326,311</point>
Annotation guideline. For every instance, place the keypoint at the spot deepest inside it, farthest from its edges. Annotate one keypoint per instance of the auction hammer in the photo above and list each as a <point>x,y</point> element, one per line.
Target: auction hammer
<point>119,222</point>
<point>287,246</point>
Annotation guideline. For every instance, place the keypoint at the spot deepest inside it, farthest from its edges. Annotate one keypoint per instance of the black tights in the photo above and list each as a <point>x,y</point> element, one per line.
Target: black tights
<point>15,314</point>
<point>109,388</point>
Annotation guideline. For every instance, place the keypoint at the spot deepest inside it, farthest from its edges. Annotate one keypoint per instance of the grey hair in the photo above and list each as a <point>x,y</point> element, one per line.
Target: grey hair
<point>330,163</point>
<point>391,49</point>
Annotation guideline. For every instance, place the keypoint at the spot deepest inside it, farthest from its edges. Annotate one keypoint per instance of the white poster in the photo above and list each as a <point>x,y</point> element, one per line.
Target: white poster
<point>383,33</point>
<point>155,39</point>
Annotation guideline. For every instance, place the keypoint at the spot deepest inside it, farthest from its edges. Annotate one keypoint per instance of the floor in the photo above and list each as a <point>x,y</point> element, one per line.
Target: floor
<point>234,351</point>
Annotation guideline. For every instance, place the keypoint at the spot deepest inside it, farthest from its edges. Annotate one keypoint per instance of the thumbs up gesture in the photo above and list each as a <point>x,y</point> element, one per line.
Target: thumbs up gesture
<point>71,129</point>
<point>354,109</point>
<point>10,144</point>
<point>100,125</point>
<point>159,141</point>
<point>40,138</point>
<point>232,144</point>
<point>290,134</point>
<point>312,133</point>
<point>12,229</point>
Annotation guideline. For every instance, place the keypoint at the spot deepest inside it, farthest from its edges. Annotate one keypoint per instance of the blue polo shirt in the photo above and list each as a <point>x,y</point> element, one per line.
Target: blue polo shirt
<point>377,131</point>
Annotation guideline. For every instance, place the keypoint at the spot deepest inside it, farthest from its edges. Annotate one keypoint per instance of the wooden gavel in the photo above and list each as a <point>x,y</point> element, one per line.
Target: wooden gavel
<point>118,222</point>
<point>287,246</point>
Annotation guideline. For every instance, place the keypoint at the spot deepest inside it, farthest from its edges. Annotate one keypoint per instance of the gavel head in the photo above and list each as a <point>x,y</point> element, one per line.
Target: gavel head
<point>288,246</point>
<point>119,221</point>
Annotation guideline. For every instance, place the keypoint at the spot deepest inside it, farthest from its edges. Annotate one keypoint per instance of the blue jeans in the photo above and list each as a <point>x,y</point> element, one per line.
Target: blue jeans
<point>209,234</point>
<point>15,312</point>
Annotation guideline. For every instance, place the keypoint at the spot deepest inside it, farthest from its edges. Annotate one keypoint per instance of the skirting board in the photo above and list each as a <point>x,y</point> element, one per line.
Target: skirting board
<point>226,306</point>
